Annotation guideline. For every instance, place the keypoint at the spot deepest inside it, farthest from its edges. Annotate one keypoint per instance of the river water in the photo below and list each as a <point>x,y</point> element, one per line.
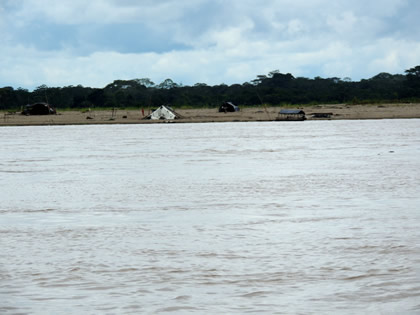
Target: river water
<point>276,217</point>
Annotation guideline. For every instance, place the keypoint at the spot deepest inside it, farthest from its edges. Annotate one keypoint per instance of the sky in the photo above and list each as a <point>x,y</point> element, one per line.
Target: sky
<point>93,43</point>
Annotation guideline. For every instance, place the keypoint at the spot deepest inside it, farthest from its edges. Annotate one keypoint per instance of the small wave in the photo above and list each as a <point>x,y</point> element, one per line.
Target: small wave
<point>183,297</point>
<point>16,172</point>
<point>256,293</point>
<point>364,276</point>
<point>27,210</point>
<point>6,309</point>
<point>165,289</point>
<point>176,309</point>
<point>100,288</point>
<point>317,219</point>
<point>128,270</point>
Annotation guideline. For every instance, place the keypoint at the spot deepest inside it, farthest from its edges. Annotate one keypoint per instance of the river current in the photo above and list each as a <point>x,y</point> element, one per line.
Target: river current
<point>307,217</point>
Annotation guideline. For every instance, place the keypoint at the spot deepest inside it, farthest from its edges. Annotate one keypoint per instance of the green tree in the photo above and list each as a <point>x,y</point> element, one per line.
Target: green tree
<point>167,84</point>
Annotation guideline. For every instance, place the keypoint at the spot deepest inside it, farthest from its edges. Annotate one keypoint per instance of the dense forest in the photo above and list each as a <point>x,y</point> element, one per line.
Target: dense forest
<point>274,88</point>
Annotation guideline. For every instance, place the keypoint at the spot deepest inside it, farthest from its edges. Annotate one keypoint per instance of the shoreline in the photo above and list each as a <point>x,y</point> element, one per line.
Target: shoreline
<point>209,115</point>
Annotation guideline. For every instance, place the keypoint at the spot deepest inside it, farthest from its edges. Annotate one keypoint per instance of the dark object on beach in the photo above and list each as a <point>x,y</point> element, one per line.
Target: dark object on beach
<point>321,115</point>
<point>291,115</point>
<point>228,107</point>
<point>39,109</point>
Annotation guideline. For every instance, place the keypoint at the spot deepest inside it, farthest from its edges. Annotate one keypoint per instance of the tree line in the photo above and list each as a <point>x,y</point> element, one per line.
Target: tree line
<point>273,89</point>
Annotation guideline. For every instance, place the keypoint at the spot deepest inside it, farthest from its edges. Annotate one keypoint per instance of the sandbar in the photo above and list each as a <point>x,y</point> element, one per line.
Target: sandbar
<point>207,115</point>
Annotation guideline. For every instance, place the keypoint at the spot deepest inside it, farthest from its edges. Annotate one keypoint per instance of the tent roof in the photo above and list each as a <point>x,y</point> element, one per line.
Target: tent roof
<point>292,112</point>
<point>161,112</point>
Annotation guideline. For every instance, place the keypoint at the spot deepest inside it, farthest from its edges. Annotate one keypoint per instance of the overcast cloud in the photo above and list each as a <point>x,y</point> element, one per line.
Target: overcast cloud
<point>95,42</point>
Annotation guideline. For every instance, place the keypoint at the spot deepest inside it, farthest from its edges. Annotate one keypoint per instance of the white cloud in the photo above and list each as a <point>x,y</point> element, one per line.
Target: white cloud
<point>226,41</point>
<point>343,23</point>
<point>396,55</point>
<point>103,11</point>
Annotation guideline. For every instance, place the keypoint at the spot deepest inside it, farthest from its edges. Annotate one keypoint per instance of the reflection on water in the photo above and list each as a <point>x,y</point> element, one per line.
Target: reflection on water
<point>313,217</point>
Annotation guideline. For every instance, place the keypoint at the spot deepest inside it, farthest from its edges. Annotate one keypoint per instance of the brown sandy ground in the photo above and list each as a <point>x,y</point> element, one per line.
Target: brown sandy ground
<point>260,113</point>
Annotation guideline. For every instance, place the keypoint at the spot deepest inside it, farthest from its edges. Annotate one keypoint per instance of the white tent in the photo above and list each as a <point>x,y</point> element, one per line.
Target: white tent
<point>163,112</point>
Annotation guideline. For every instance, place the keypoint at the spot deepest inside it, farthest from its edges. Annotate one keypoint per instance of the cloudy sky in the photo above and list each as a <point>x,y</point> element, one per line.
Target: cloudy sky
<point>94,42</point>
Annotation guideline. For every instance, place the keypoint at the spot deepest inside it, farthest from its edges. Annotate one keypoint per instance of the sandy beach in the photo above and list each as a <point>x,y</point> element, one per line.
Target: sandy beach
<point>100,116</point>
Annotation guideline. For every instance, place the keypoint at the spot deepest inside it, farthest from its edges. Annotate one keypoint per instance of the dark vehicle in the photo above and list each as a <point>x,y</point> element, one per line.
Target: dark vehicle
<point>38,109</point>
<point>228,107</point>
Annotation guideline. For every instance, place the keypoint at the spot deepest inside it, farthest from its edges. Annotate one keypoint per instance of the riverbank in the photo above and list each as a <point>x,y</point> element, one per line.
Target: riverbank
<point>100,116</point>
